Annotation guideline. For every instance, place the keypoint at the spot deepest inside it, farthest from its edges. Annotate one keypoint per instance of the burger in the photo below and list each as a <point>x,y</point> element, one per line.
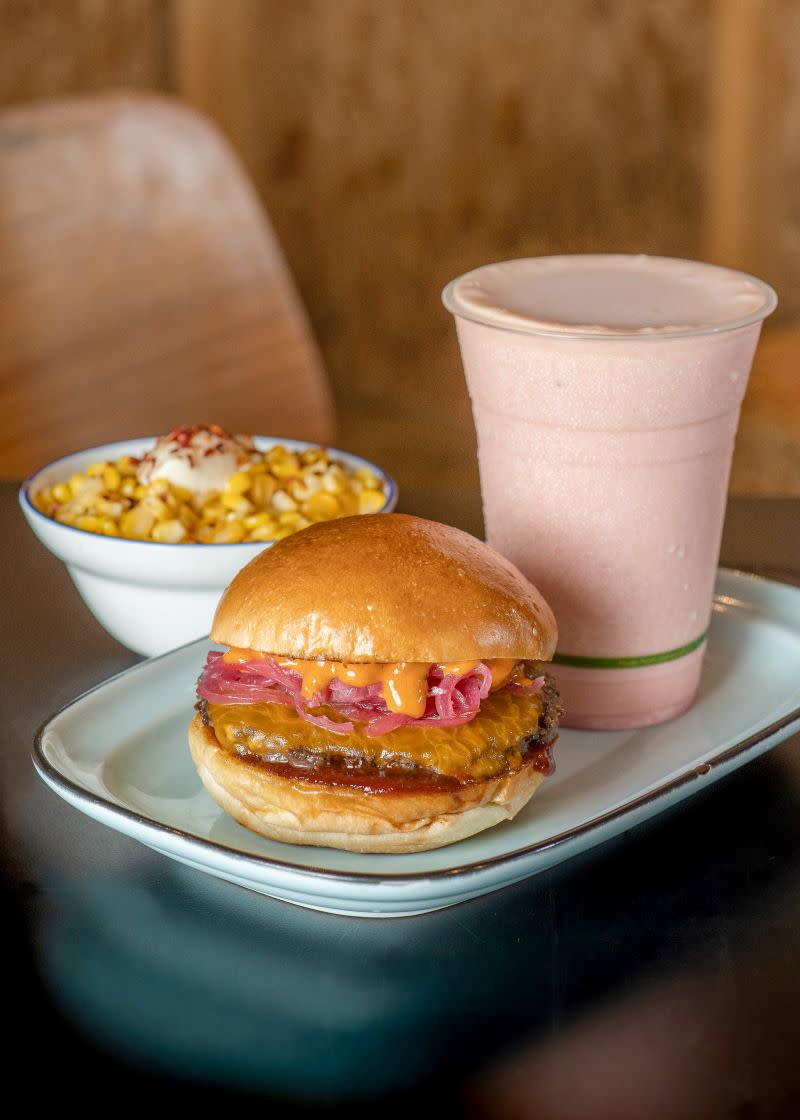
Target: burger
<point>382,688</point>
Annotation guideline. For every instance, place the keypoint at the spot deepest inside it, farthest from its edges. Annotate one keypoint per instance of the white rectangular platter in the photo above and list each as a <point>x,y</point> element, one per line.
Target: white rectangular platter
<point>119,754</point>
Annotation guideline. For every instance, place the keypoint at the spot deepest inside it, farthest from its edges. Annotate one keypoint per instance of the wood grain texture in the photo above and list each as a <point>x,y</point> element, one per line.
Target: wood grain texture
<point>778,155</point>
<point>50,48</point>
<point>140,285</point>
<point>397,145</point>
<point>736,89</point>
<point>767,457</point>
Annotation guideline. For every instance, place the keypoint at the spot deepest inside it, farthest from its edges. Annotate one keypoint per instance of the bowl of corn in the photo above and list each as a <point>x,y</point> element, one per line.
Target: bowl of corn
<point>151,560</point>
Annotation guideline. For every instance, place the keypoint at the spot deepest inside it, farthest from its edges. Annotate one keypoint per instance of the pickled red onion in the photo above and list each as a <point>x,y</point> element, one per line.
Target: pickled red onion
<point>452,700</point>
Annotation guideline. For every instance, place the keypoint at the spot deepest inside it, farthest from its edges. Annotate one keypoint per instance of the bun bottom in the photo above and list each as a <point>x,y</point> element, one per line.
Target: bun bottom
<point>298,811</point>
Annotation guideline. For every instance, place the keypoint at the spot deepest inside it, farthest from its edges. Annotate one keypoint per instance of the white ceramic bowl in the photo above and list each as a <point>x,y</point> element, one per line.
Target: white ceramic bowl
<point>151,597</point>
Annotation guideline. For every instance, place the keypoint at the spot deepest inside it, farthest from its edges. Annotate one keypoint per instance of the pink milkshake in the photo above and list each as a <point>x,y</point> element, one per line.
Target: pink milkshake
<point>606,393</point>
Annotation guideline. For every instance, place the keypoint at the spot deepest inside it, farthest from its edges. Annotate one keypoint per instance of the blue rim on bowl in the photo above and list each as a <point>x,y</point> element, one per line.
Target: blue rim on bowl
<point>113,450</point>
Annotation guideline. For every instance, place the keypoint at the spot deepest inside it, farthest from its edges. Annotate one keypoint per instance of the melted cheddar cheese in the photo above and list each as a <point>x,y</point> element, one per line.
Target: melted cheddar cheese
<point>489,744</point>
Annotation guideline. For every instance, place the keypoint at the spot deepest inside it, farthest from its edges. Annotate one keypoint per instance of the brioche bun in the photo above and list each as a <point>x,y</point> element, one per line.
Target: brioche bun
<point>383,588</point>
<point>379,589</point>
<point>298,811</point>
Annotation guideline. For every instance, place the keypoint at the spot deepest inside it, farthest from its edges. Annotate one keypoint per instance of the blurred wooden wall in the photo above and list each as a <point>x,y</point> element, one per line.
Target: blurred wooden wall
<point>398,143</point>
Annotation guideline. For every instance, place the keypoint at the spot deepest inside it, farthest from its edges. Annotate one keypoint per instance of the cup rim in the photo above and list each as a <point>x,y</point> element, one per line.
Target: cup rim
<point>31,511</point>
<point>520,326</point>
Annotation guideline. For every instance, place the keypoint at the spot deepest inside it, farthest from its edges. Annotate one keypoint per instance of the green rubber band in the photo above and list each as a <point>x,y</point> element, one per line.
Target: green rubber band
<point>628,662</point>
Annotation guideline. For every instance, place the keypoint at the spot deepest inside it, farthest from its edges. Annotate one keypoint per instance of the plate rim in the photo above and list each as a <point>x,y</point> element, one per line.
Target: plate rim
<point>54,778</point>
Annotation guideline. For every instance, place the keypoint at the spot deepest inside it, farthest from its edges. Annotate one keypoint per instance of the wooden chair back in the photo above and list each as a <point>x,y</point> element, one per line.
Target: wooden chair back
<point>141,285</point>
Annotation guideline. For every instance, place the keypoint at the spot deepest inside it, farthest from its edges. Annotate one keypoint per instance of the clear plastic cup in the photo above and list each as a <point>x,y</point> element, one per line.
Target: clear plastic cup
<point>606,393</point>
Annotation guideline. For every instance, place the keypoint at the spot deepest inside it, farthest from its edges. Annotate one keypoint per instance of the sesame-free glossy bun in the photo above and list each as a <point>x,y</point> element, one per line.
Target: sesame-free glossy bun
<point>298,811</point>
<point>385,588</point>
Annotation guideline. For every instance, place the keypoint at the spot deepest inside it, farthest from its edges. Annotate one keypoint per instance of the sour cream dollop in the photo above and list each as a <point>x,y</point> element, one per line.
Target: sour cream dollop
<point>199,458</point>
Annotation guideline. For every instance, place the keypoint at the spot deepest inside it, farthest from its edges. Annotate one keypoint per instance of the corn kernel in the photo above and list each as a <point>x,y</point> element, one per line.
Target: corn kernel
<point>90,524</point>
<point>322,506</point>
<point>139,492</point>
<point>262,488</point>
<point>161,490</point>
<point>159,509</point>
<point>281,532</point>
<point>298,490</point>
<point>230,533</point>
<point>128,487</point>
<point>282,502</point>
<point>238,483</point>
<point>333,480</point>
<point>367,476</point>
<point>112,479</point>
<point>95,470</point>
<point>110,528</point>
<point>262,533</point>
<point>127,465</point>
<point>313,483</point>
<point>213,511</point>
<point>61,492</point>
<point>85,497</point>
<point>169,532</point>
<point>286,467</point>
<point>370,501</point>
<point>256,520</point>
<point>349,503</point>
<point>187,516</point>
<point>76,483</point>
<point>108,508</point>
<point>237,503</point>
<point>137,522</point>
<point>291,517</point>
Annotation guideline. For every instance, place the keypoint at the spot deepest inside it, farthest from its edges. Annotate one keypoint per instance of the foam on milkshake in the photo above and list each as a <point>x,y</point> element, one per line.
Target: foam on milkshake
<point>609,294</point>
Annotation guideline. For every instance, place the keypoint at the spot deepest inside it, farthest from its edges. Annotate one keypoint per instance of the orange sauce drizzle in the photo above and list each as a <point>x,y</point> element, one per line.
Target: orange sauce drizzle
<point>404,684</point>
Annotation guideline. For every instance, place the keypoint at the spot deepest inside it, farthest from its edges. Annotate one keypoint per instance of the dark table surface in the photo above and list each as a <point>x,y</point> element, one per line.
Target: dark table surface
<point>653,977</point>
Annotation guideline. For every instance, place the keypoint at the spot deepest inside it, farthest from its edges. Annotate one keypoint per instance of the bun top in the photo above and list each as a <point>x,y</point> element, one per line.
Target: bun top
<point>384,588</point>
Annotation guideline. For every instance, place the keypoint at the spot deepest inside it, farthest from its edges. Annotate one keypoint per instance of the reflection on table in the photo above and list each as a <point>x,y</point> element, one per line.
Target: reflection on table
<point>179,973</point>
